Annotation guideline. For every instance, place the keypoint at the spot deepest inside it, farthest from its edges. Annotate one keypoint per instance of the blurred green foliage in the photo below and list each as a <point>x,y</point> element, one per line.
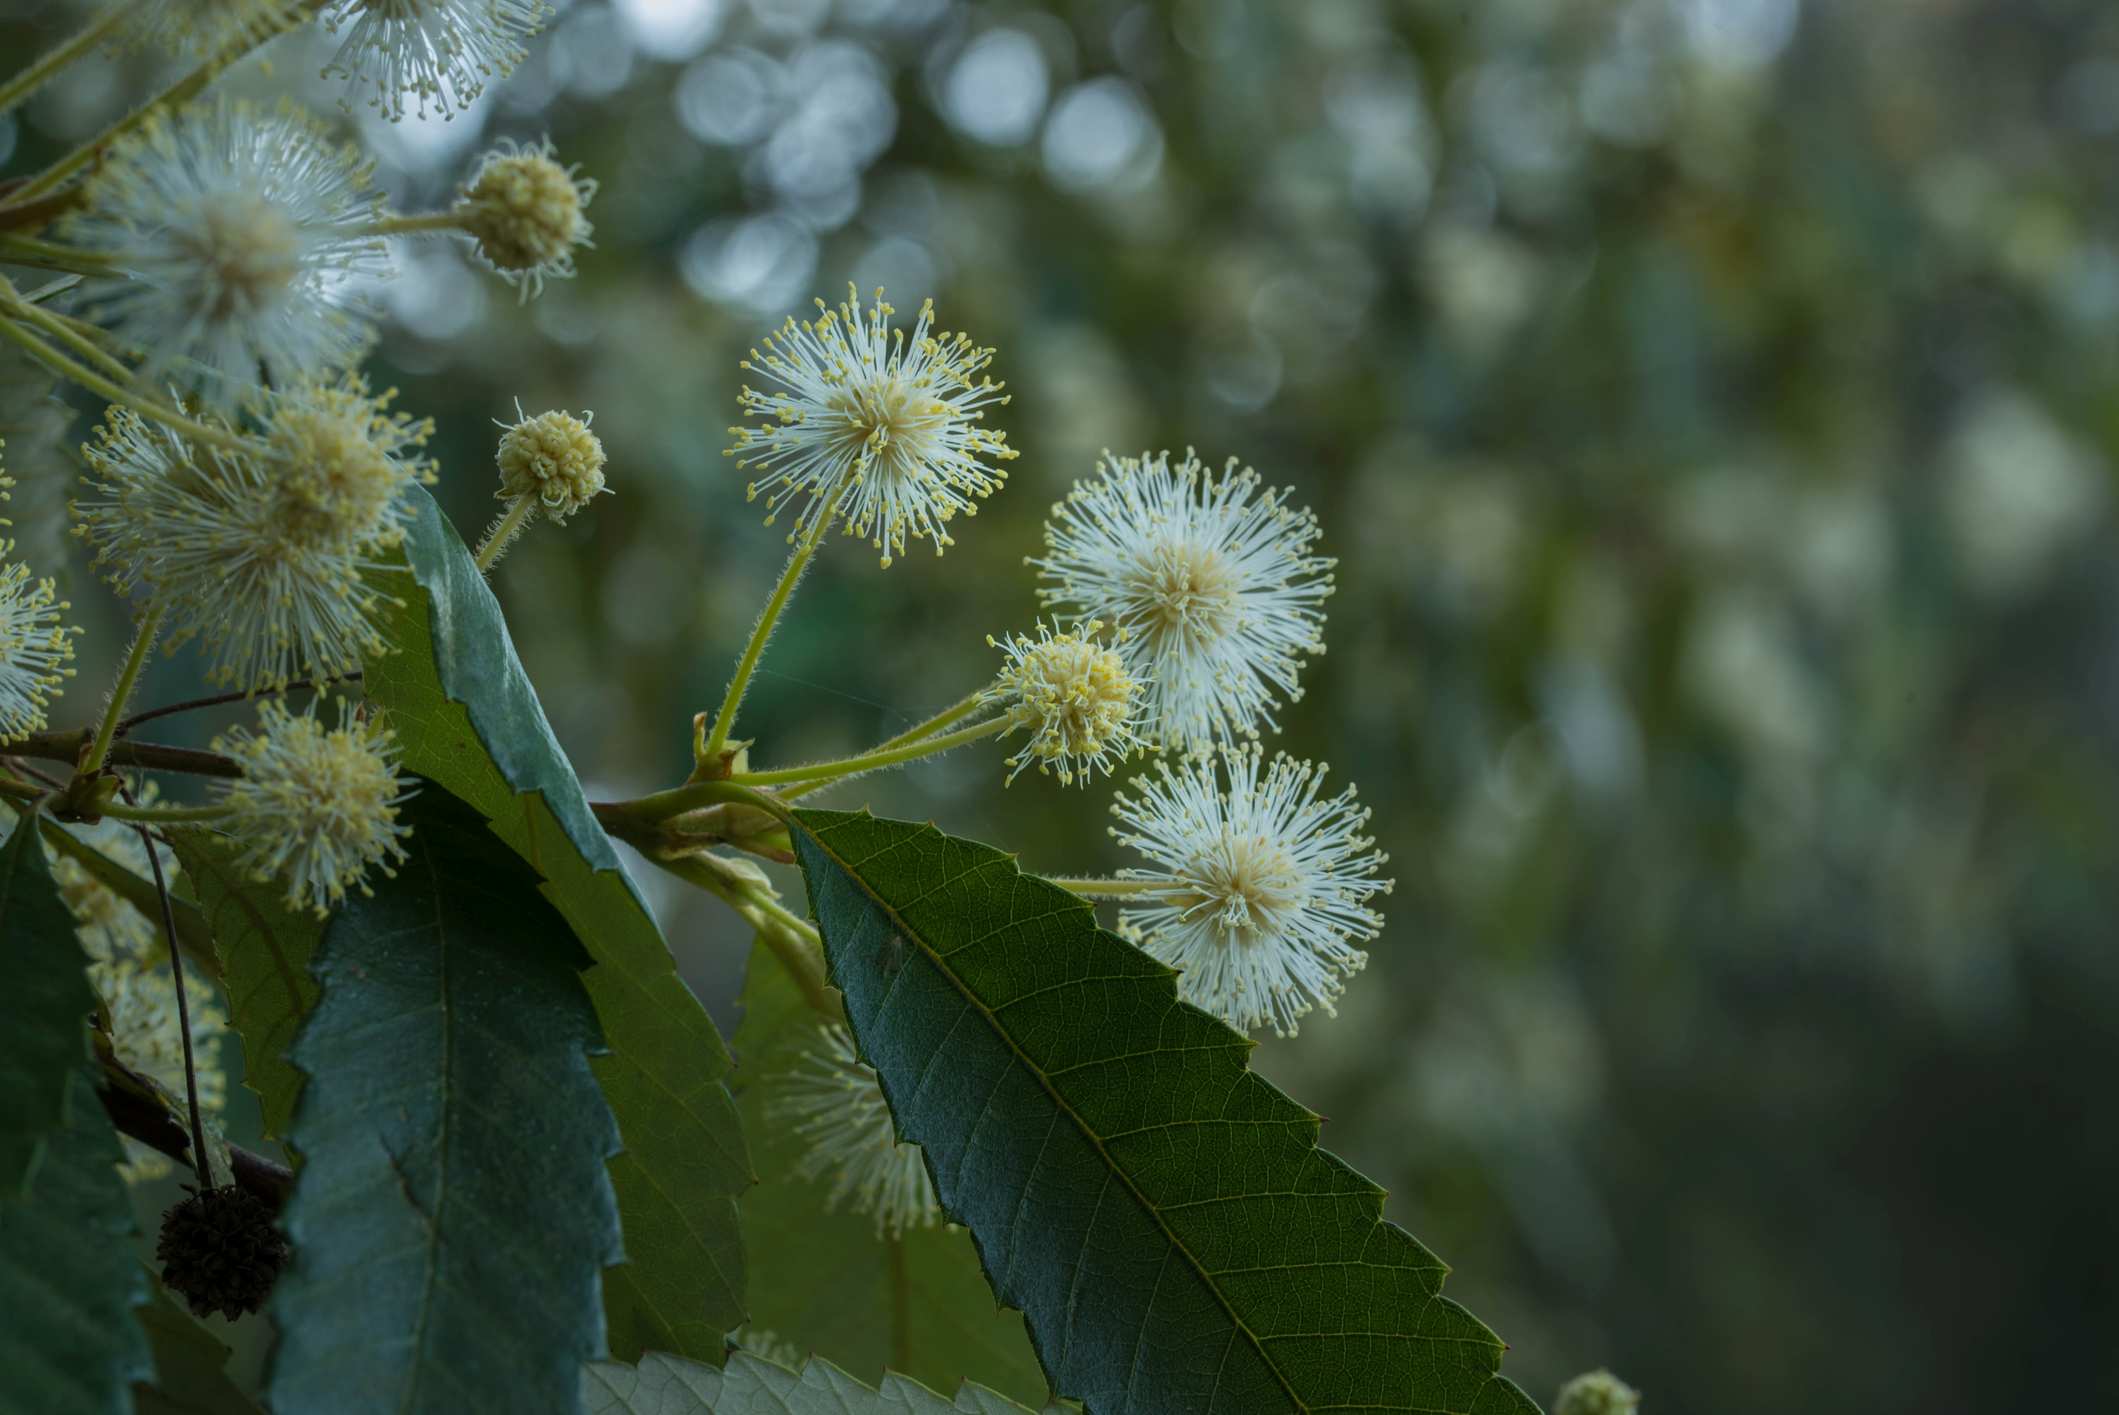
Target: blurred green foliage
<point>1712,405</point>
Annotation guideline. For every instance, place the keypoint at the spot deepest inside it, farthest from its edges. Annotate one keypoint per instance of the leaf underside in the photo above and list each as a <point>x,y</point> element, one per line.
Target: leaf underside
<point>454,1214</point>
<point>45,1004</point>
<point>916,1304</point>
<point>468,719</point>
<point>264,947</point>
<point>1161,1215</point>
<point>667,1385</point>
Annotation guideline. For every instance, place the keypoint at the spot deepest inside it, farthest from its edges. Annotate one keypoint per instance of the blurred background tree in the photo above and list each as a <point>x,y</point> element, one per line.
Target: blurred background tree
<point>1711,403</point>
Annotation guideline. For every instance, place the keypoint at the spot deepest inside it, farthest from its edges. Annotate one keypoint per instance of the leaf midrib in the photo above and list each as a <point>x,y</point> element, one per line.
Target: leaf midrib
<point>1059,1101</point>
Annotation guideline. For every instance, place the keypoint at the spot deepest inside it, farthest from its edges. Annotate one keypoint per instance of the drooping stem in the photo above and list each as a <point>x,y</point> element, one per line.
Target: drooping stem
<point>199,1161</point>
<point>502,531</point>
<point>956,712</point>
<point>797,562</point>
<point>1107,888</point>
<point>873,761</point>
<point>241,696</point>
<point>142,640</point>
<point>171,98</point>
<point>23,85</point>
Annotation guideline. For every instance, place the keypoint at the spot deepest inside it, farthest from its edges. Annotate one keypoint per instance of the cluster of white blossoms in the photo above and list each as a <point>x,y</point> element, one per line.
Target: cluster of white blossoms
<point>265,555</point>
<point>879,431</point>
<point>1210,580</point>
<point>1260,883</point>
<point>438,53</point>
<point>833,1104</point>
<point>316,806</point>
<point>240,230</point>
<point>1214,592</point>
<point>36,648</point>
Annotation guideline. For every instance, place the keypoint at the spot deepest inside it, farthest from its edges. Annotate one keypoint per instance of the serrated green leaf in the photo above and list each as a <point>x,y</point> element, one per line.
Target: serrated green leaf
<point>469,720</point>
<point>264,947</point>
<point>44,1006</point>
<point>916,1304</point>
<point>454,1215</point>
<point>191,1365</point>
<point>668,1385</point>
<point>69,1277</point>
<point>1161,1214</point>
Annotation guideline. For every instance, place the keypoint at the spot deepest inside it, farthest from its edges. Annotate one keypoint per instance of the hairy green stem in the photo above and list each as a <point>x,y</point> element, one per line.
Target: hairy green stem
<point>502,531</point>
<point>112,392</point>
<point>872,761</point>
<point>143,639</point>
<point>955,712</point>
<point>68,333</point>
<point>164,815</point>
<point>1106,888</point>
<point>23,85</point>
<point>747,664</point>
<point>171,98</point>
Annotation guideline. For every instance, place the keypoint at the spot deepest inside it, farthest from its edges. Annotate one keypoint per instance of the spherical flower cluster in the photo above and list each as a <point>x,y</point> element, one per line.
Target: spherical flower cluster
<point>239,230</point>
<point>880,431</point>
<point>836,1108</point>
<point>1075,697</point>
<point>1255,889</point>
<point>316,806</point>
<point>35,647</point>
<point>1211,580</point>
<point>552,459</point>
<point>344,461</point>
<point>525,212</point>
<point>1597,1393</point>
<point>261,555</point>
<point>439,52</point>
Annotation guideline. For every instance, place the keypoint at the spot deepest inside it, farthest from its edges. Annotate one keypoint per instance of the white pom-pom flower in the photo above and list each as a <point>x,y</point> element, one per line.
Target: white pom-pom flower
<point>1256,890</point>
<point>238,228</point>
<point>888,428</point>
<point>262,556</point>
<point>835,1106</point>
<point>1210,579</point>
<point>1074,696</point>
<point>36,648</point>
<point>439,53</point>
<point>316,806</point>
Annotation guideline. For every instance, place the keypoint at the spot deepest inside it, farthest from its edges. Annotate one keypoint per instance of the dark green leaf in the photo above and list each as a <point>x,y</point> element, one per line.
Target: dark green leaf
<point>1160,1213</point>
<point>467,716</point>
<point>264,947</point>
<point>69,1275</point>
<point>668,1385</point>
<point>454,1214</point>
<point>823,1280</point>
<point>191,1365</point>
<point>44,1006</point>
